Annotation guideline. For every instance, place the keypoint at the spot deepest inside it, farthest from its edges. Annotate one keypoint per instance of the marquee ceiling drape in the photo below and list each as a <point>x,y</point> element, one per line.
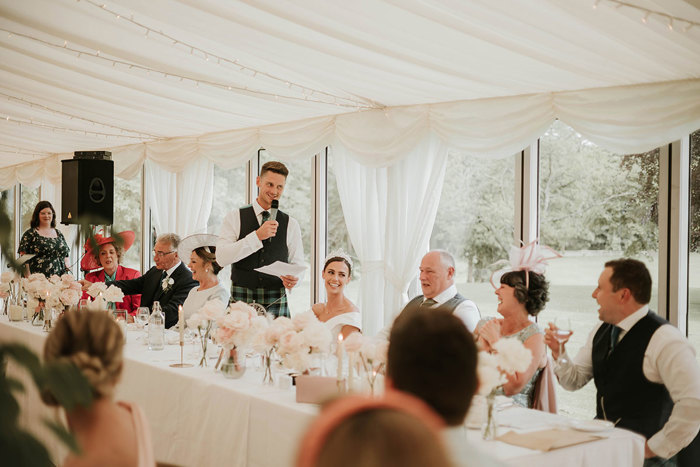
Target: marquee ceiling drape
<point>171,81</point>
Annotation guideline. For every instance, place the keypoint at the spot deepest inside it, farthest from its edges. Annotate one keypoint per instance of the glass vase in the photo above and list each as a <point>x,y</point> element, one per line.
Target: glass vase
<point>38,317</point>
<point>488,429</point>
<point>234,366</point>
<point>268,377</point>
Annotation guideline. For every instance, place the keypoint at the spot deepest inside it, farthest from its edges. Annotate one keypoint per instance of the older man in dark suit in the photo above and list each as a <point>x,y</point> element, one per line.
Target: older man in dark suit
<point>168,282</point>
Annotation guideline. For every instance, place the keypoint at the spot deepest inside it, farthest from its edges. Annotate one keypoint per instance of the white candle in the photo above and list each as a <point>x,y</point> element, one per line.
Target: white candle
<point>351,370</point>
<point>181,324</point>
<point>339,355</point>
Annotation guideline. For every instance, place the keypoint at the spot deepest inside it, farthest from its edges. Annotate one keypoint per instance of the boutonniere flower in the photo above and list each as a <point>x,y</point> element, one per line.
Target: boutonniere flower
<point>167,283</point>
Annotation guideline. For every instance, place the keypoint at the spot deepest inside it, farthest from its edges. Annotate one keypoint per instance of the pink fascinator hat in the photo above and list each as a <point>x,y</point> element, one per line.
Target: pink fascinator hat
<point>531,257</point>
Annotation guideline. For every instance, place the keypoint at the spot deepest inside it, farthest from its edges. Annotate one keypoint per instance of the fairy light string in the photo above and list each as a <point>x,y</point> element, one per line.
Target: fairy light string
<point>647,14</point>
<point>32,104</point>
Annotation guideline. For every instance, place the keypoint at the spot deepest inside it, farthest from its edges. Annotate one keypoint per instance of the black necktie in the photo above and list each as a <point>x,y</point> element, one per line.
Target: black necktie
<point>614,335</point>
<point>265,216</point>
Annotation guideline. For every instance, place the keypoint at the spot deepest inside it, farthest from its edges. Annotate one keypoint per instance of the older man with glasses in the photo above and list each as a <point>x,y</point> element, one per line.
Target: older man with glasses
<point>168,282</point>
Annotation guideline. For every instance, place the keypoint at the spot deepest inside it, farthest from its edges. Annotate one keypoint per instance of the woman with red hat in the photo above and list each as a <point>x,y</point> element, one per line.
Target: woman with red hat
<point>108,256</point>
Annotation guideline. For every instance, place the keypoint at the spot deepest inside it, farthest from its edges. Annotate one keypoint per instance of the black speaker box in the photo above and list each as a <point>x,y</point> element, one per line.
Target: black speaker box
<point>88,191</point>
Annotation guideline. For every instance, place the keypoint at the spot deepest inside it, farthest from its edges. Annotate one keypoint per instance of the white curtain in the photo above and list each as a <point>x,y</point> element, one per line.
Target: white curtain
<point>195,193</point>
<point>362,192</point>
<point>414,186</point>
<point>624,119</point>
<point>181,202</point>
<point>390,213</point>
<point>162,192</point>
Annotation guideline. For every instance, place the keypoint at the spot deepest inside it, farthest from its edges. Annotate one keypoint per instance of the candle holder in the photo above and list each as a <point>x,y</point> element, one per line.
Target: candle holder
<point>182,364</point>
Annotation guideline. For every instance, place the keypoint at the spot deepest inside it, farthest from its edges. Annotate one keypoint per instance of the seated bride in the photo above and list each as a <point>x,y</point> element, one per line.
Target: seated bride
<point>339,314</point>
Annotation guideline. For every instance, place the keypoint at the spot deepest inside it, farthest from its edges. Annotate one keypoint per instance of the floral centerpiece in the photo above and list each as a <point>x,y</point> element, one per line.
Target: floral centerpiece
<point>509,356</point>
<point>366,354</point>
<point>204,320</point>
<point>101,294</point>
<point>267,342</point>
<point>56,292</point>
<point>9,288</point>
<point>235,330</point>
<point>307,338</point>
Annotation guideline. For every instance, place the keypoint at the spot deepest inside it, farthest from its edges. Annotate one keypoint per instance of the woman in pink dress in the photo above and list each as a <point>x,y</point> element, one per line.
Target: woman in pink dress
<point>108,432</point>
<point>108,256</point>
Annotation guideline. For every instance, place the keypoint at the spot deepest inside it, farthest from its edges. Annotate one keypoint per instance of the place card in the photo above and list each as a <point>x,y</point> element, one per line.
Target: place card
<point>316,389</point>
<point>546,440</point>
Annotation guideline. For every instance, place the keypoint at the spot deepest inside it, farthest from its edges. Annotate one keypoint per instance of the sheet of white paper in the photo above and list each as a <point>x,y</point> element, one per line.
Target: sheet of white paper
<point>24,258</point>
<point>280,268</point>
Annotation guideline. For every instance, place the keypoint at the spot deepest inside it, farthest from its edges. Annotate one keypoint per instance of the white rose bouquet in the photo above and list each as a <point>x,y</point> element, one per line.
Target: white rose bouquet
<point>306,338</point>
<point>237,327</point>
<point>372,355</point>
<point>204,320</point>
<point>9,288</point>
<point>510,356</point>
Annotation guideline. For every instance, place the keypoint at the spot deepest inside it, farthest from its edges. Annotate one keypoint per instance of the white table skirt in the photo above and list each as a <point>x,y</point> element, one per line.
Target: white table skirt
<point>200,418</point>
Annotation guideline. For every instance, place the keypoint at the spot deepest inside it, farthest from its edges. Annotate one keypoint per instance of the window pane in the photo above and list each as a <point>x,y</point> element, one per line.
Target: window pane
<point>8,207</point>
<point>30,198</point>
<point>229,195</point>
<point>475,222</point>
<point>296,201</point>
<point>694,247</point>
<point>127,216</point>
<point>339,238</point>
<point>594,206</point>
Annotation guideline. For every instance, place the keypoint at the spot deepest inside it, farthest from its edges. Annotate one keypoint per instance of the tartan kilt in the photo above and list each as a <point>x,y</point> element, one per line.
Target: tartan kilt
<point>274,300</point>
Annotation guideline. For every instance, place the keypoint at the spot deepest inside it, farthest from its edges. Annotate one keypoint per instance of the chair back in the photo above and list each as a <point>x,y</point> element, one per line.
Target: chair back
<point>545,397</point>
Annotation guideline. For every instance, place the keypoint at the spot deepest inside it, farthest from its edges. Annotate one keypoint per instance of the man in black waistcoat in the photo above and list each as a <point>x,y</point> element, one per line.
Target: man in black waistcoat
<point>168,282</point>
<point>644,369</point>
<point>250,239</point>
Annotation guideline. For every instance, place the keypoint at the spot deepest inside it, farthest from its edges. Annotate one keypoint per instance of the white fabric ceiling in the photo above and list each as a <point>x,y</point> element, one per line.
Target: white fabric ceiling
<point>113,85</point>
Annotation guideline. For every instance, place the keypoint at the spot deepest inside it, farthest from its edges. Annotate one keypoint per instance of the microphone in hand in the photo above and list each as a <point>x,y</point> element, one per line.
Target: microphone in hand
<point>274,207</point>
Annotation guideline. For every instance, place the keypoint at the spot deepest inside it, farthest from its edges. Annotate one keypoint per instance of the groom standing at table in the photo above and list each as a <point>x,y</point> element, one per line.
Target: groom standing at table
<point>644,369</point>
<point>168,282</point>
<point>250,238</point>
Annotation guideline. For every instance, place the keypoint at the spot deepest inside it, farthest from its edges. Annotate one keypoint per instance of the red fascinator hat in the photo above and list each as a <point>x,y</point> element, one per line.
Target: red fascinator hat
<point>88,263</point>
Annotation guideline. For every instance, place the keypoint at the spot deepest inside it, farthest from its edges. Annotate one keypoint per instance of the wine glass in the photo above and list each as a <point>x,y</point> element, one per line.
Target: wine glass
<point>142,315</point>
<point>561,334</point>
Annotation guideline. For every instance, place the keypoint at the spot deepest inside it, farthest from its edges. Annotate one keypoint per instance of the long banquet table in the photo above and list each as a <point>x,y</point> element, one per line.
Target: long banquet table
<point>200,418</point>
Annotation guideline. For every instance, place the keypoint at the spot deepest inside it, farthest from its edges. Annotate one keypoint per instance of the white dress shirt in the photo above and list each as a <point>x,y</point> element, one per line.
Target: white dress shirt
<point>467,311</point>
<point>170,271</point>
<point>230,249</point>
<point>669,359</point>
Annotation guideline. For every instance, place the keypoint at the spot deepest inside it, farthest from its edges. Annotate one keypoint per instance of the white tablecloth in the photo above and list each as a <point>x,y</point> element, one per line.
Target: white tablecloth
<point>200,418</point>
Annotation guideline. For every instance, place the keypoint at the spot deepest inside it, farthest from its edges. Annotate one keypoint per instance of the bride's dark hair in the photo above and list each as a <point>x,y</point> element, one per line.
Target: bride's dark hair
<point>335,259</point>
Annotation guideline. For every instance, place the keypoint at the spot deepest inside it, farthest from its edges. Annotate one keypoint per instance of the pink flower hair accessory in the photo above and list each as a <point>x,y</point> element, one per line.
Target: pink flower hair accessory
<point>532,257</point>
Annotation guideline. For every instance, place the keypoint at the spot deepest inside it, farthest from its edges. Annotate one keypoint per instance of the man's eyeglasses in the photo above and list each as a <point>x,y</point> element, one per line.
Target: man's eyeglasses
<point>158,254</point>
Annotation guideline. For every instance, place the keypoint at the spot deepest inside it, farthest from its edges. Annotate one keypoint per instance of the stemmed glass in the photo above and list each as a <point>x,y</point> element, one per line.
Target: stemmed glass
<point>142,315</point>
<point>561,334</point>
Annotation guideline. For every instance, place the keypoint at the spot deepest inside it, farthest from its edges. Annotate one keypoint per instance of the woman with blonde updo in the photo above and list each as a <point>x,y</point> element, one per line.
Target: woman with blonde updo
<point>108,432</point>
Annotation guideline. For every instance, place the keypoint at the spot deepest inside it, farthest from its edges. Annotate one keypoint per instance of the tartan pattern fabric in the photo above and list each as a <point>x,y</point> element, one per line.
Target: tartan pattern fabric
<point>274,300</point>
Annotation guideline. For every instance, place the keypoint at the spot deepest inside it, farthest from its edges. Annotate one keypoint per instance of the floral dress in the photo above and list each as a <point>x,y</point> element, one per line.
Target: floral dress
<point>50,252</point>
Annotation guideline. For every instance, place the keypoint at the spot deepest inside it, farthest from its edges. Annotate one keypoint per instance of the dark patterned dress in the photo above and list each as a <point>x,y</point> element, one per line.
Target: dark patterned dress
<point>50,252</point>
